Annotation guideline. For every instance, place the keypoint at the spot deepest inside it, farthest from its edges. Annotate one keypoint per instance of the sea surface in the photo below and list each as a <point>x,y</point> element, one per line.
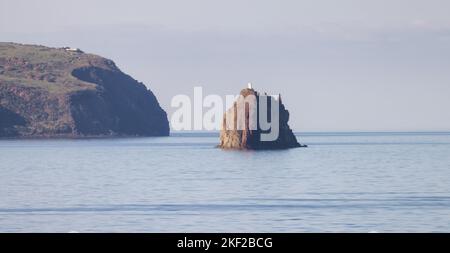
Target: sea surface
<point>343,182</point>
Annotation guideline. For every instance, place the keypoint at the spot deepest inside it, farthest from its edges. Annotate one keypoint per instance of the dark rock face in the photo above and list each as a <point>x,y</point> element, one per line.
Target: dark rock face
<point>48,92</point>
<point>251,139</point>
<point>9,121</point>
<point>40,113</point>
<point>119,105</point>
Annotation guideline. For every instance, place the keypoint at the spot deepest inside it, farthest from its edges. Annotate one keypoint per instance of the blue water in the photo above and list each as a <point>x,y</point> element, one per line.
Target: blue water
<point>352,182</point>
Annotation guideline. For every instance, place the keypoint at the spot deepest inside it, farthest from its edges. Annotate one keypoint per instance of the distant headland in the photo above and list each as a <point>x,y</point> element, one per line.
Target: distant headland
<point>64,92</point>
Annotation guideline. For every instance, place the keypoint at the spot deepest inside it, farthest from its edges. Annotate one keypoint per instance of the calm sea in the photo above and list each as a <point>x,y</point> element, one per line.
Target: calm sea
<point>352,182</point>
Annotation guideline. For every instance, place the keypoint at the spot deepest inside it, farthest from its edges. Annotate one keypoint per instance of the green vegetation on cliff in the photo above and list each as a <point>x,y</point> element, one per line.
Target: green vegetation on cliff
<point>60,92</point>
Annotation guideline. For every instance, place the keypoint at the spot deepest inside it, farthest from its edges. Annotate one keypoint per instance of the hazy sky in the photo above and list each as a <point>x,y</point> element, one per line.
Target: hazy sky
<point>339,65</point>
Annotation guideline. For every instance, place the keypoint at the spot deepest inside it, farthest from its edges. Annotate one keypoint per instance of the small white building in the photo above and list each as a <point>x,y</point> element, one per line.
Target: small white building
<point>73,49</point>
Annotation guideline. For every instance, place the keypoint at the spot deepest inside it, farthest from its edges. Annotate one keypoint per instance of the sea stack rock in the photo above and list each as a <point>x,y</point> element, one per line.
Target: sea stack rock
<point>236,135</point>
<point>64,92</point>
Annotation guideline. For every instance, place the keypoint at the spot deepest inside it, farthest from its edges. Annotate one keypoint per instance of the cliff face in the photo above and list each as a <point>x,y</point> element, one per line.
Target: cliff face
<point>231,137</point>
<point>47,92</point>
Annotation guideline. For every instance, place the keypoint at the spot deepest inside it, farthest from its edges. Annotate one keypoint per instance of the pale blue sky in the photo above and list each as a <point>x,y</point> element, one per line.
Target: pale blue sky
<point>339,65</point>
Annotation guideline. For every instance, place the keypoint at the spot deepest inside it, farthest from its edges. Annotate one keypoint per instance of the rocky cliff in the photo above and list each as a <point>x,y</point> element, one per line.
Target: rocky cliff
<point>234,137</point>
<point>51,92</point>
